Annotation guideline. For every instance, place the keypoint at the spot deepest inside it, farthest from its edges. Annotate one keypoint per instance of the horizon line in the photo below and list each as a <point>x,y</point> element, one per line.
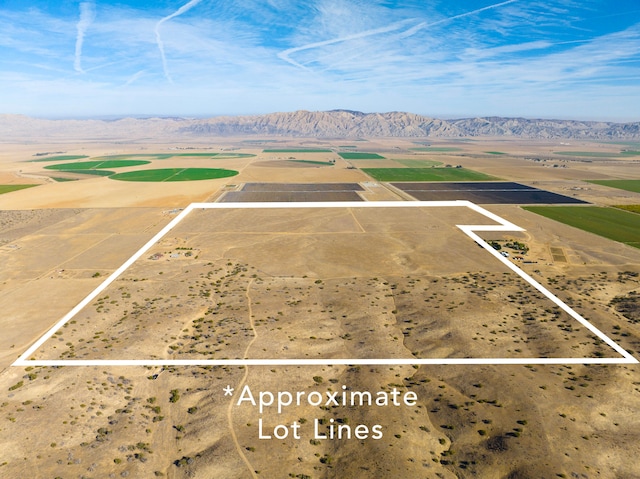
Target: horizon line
<point>177,116</point>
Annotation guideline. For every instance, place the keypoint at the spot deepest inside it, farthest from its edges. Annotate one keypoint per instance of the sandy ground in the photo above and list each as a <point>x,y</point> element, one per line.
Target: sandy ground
<point>312,284</point>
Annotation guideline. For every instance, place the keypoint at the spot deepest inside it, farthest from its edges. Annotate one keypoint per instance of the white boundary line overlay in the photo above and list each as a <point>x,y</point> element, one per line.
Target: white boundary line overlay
<point>469,230</point>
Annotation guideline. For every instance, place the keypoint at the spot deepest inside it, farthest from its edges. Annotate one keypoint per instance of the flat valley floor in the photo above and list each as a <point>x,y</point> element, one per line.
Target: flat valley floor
<point>361,283</point>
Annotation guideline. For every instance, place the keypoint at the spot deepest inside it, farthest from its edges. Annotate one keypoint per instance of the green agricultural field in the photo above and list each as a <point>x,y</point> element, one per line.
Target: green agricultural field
<point>234,155</point>
<point>96,165</point>
<point>495,152</point>
<point>152,156</point>
<point>627,185</point>
<point>166,156</point>
<point>632,144</point>
<point>216,156</point>
<point>426,174</point>
<point>419,163</point>
<point>356,155</point>
<point>59,158</point>
<point>437,149</point>
<point>193,154</point>
<point>632,208</point>
<point>60,179</point>
<point>312,162</point>
<point>297,150</point>
<point>174,174</point>
<point>615,224</point>
<point>597,154</point>
<point>90,172</point>
<point>10,188</point>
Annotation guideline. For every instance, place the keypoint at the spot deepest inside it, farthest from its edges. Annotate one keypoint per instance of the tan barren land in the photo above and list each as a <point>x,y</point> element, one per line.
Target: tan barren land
<point>326,283</point>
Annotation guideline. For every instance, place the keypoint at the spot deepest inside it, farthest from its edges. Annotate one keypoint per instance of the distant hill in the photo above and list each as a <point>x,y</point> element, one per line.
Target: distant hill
<point>335,123</point>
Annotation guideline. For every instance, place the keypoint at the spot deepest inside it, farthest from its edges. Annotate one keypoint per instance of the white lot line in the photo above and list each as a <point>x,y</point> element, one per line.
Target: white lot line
<point>470,230</point>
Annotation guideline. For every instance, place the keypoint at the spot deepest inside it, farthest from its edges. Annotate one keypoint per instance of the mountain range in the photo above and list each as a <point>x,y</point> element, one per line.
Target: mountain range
<point>319,124</point>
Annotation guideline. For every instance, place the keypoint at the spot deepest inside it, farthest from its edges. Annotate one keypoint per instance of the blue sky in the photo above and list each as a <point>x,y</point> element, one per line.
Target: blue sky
<point>446,58</point>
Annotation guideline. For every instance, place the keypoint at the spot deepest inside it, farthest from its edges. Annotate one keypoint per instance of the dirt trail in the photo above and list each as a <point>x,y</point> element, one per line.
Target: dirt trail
<point>241,384</point>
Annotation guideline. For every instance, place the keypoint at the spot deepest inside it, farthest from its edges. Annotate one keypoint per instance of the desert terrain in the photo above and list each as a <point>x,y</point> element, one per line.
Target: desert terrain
<point>326,283</point>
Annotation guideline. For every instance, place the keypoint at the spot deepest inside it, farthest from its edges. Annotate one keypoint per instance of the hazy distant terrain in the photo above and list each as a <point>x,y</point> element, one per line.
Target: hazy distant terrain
<point>324,124</point>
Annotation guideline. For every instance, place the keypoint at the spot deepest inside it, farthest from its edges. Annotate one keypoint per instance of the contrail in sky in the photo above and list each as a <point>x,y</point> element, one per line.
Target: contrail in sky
<point>134,77</point>
<point>87,15</point>
<point>422,25</point>
<point>184,8</point>
<point>285,55</point>
<point>367,33</point>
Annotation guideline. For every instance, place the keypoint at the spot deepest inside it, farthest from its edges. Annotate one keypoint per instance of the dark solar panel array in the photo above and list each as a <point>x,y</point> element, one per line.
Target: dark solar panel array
<point>302,187</point>
<point>463,186</point>
<point>294,192</point>
<point>488,193</point>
